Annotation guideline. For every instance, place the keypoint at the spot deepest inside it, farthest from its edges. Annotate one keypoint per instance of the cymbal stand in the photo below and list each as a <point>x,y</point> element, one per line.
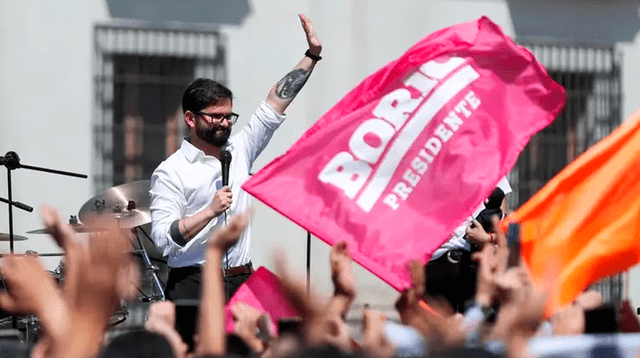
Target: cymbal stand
<point>12,162</point>
<point>150,269</point>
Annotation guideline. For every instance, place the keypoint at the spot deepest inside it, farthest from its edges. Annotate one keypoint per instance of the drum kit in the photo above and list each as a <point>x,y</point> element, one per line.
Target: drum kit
<point>125,206</point>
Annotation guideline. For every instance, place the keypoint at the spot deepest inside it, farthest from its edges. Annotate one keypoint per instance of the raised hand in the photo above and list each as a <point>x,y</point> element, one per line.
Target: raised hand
<point>31,289</point>
<point>341,273</point>
<point>224,238</point>
<point>247,320</point>
<point>374,341</point>
<point>211,333</point>
<point>476,234</point>
<point>321,324</point>
<point>93,282</point>
<point>161,319</point>
<point>315,46</point>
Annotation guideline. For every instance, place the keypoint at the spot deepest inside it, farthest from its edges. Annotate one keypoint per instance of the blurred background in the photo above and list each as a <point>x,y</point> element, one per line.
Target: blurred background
<point>94,87</point>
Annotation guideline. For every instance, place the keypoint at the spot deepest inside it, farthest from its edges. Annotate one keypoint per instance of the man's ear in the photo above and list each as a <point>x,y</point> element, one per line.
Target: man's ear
<point>190,119</point>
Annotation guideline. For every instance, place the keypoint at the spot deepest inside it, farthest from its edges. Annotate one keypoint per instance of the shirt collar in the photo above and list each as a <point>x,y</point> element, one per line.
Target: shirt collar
<point>190,151</point>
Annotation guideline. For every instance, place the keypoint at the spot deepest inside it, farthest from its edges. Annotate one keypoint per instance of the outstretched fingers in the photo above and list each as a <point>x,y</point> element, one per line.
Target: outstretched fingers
<point>225,237</point>
<point>315,46</point>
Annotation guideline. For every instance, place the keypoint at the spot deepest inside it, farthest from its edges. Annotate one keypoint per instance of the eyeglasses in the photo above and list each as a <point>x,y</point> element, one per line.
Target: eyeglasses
<point>218,117</point>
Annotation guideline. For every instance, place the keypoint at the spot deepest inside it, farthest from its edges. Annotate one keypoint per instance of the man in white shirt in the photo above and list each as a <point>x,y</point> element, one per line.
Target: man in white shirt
<point>188,200</point>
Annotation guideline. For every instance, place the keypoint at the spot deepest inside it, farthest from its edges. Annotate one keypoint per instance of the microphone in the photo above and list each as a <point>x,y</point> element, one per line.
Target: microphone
<point>225,160</point>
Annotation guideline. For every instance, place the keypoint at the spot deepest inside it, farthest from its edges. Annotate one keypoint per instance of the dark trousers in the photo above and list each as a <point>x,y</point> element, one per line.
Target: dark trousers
<point>452,276</point>
<point>184,283</point>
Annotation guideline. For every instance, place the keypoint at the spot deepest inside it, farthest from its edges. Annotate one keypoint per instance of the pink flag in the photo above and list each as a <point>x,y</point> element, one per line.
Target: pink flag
<point>409,153</point>
<point>264,292</point>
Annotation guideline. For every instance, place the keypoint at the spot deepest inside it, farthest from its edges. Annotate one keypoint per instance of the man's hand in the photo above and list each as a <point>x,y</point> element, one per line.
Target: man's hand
<point>315,47</point>
<point>322,325</point>
<point>161,319</point>
<point>374,341</point>
<point>476,234</point>
<point>31,289</point>
<point>283,92</point>
<point>211,333</point>
<point>246,318</point>
<point>221,201</point>
<point>568,321</point>
<point>341,273</point>
<point>224,238</point>
<point>92,282</point>
<point>486,279</point>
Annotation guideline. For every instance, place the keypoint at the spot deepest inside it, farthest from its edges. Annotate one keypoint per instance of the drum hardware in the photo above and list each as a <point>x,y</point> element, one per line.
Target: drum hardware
<point>125,206</point>
<point>7,237</point>
<point>75,225</point>
<point>150,269</point>
<point>11,161</point>
<point>31,252</point>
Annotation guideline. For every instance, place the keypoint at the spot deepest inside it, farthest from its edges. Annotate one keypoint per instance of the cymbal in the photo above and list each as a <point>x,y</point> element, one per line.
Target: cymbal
<point>79,228</point>
<point>5,237</point>
<point>124,206</point>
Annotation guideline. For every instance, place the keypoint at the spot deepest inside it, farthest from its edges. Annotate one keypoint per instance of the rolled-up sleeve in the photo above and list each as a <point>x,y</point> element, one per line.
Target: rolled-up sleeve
<point>258,132</point>
<point>168,205</point>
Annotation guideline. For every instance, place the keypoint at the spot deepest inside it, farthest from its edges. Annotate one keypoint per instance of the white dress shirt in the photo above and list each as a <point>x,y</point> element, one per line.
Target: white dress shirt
<point>187,181</point>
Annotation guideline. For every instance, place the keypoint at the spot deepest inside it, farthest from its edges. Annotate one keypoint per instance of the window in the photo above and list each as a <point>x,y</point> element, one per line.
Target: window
<point>139,76</point>
<point>591,78</point>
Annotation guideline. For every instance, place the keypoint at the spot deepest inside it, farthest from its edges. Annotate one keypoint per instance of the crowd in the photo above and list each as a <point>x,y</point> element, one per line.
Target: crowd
<point>475,298</point>
<point>505,316</point>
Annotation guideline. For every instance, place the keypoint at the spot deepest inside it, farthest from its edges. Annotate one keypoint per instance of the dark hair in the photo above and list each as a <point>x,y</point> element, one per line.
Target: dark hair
<point>236,346</point>
<point>495,199</point>
<point>601,320</point>
<point>138,344</point>
<point>204,92</point>
<point>492,207</point>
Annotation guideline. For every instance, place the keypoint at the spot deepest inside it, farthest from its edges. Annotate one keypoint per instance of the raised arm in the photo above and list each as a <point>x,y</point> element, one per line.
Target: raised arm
<point>211,333</point>
<point>288,87</point>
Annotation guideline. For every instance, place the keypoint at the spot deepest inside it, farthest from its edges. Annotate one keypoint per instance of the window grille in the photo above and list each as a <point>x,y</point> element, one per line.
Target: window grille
<point>139,76</point>
<point>591,78</point>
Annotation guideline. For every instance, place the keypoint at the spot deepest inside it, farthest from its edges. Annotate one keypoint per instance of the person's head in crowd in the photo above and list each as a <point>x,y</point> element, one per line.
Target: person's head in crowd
<point>325,351</point>
<point>138,344</point>
<point>467,352</point>
<point>601,320</point>
<point>237,346</point>
<point>494,205</point>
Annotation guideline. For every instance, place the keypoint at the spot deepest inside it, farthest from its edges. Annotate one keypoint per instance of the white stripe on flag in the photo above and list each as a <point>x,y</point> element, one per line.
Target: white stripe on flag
<point>440,97</point>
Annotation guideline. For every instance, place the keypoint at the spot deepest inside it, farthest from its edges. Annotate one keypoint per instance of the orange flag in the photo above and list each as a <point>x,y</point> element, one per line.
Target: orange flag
<point>584,224</point>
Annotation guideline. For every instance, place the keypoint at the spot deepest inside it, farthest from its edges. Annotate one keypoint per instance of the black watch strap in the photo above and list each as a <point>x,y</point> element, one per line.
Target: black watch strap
<point>312,56</point>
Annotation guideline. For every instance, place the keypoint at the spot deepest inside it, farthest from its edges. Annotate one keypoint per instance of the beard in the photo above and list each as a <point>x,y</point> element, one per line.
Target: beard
<point>217,136</point>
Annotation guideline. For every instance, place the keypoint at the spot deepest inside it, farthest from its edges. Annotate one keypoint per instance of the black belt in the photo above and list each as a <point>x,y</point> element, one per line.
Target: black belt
<point>229,272</point>
<point>238,270</point>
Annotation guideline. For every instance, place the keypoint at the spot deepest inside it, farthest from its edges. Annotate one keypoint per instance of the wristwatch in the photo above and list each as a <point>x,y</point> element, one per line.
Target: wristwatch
<point>489,313</point>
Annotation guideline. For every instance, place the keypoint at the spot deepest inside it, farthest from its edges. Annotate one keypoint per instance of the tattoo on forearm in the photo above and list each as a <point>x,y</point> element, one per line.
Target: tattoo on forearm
<point>289,86</point>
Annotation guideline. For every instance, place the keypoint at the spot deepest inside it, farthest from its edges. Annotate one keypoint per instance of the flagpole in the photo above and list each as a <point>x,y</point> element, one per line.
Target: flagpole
<point>308,260</point>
